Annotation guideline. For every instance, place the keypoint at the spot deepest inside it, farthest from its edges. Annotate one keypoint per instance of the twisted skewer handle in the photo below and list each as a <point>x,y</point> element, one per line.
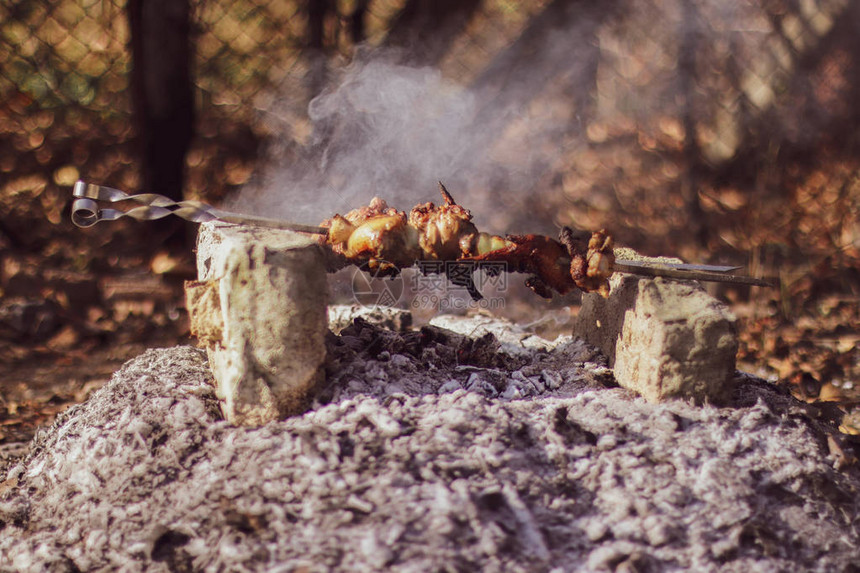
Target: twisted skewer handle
<point>86,211</point>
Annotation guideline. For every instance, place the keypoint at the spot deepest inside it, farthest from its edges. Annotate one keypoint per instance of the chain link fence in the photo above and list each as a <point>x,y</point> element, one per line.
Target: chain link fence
<point>680,96</point>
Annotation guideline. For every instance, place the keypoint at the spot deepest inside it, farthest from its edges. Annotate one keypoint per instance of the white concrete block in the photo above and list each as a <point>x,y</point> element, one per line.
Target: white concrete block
<point>664,338</point>
<point>259,308</point>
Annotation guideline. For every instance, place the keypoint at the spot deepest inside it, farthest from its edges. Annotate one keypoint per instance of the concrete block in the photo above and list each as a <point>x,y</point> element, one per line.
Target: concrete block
<point>259,309</point>
<point>664,338</point>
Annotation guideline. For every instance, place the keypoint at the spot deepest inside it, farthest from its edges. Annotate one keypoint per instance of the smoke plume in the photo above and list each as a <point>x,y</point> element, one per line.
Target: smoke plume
<point>391,130</point>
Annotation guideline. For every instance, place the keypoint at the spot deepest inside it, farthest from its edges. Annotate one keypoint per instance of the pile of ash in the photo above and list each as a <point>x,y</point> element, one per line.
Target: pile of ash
<point>461,446</point>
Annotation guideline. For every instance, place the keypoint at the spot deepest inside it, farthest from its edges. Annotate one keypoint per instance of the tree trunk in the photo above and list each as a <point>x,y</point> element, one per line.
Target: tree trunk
<point>317,12</point>
<point>691,179</point>
<point>162,91</point>
<point>559,45</point>
<point>425,29</point>
<point>357,23</point>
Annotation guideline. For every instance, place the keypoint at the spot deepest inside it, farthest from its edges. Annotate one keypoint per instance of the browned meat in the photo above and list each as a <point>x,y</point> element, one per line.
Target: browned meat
<point>384,239</point>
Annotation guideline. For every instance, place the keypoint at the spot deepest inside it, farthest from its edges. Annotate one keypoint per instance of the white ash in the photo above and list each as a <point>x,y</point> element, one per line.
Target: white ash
<point>576,476</point>
<point>341,315</point>
<point>513,339</point>
<point>368,360</point>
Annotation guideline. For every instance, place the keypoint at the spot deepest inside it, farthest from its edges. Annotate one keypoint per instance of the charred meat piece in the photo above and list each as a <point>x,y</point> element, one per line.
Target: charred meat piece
<point>591,258</point>
<point>542,257</point>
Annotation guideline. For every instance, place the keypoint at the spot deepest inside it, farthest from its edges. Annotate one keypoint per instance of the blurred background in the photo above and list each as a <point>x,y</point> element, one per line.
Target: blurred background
<point>718,131</point>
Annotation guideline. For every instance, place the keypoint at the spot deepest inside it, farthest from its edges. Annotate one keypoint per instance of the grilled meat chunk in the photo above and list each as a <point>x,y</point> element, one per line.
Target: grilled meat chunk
<point>383,239</point>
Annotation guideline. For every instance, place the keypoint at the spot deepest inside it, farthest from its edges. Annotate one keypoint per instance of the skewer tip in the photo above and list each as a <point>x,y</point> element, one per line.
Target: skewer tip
<point>445,195</point>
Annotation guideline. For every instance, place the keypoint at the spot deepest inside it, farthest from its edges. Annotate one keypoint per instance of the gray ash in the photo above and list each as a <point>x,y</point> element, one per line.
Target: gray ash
<point>435,451</point>
<point>366,359</point>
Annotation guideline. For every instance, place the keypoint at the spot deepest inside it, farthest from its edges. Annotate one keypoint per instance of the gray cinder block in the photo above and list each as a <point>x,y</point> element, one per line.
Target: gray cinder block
<point>259,308</point>
<point>664,338</point>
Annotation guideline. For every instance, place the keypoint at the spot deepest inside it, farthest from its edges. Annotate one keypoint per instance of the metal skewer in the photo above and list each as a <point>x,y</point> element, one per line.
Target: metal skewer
<point>706,273</point>
<point>86,212</point>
